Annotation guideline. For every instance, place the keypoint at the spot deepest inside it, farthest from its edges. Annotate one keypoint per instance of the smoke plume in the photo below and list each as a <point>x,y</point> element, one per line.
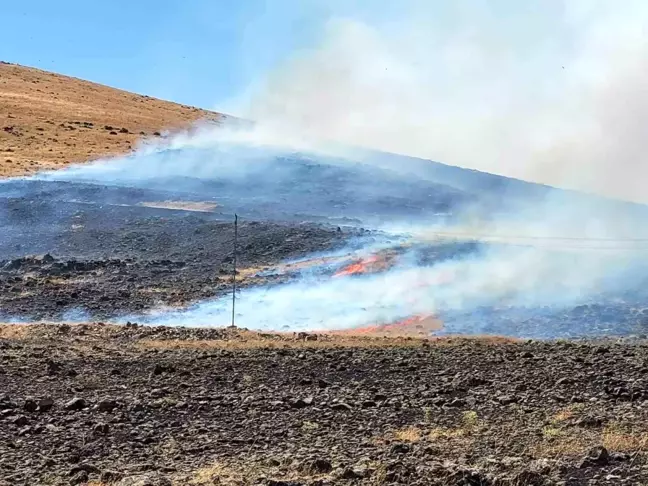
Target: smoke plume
<point>548,91</point>
<point>551,91</point>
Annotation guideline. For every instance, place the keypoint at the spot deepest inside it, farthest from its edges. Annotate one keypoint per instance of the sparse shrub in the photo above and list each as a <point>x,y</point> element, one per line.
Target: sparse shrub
<point>310,425</point>
<point>621,439</point>
<point>470,419</point>
<point>550,432</point>
<point>408,434</point>
<point>427,414</point>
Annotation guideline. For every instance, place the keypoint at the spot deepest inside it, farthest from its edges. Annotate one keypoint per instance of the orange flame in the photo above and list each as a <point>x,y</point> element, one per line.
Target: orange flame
<point>415,325</point>
<point>370,264</point>
<point>359,267</point>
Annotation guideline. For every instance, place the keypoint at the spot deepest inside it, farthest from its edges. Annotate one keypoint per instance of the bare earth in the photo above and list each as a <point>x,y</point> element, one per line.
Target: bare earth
<point>96,404</point>
<point>49,121</point>
<point>144,406</point>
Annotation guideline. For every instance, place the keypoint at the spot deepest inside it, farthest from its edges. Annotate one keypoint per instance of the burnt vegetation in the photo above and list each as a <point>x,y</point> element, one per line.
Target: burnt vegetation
<point>137,405</point>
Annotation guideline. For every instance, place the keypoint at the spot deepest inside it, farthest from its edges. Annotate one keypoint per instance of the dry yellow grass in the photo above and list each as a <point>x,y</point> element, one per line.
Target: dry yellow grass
<point>567,413</point>
<point>408,434</point>
<point>619,439</point>
<point>48,120</point>
<point>562,446</point>
<point>14,331</point>
<point>215,474</point>
<point>446,433</point>
<point>202,207</point>
<point>242,339</point>
<point>560,441</point>
<point>243,474</point>
<point>275,343</point>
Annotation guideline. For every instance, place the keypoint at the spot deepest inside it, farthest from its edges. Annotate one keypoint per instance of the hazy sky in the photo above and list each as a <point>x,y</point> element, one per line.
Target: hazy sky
<point>554,91</point>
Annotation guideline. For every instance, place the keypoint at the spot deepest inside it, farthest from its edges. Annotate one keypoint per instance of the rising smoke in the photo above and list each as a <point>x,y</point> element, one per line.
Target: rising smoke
<point>549,91</point>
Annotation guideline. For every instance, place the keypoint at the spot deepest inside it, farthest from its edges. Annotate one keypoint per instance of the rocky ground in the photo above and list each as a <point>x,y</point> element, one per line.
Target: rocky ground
<point>102,405</point>
<point>109,270</point>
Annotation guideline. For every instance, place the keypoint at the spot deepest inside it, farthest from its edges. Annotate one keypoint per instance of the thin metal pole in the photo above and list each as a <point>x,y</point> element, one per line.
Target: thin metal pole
<point>234,272</point>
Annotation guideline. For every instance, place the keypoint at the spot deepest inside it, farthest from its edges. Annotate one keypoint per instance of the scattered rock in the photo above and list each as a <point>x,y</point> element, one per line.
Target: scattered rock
<point>399,448</point>
<point>106,405</point>
<point>45,405</point>
<point>101,429</point>
<point>30,406</point>
<point>52,367</point>
<point>341,407</point>
<point>456,403</point>
<point>596,457</point>
<point>318,466</point>
<point>20,421</point>
<point>506,399</point>
<point>80,477</point>
<point>75,404</point>
<point>302,402</point>
<point>323,383</point>
<point>89,468</point>
<point>110,476</point>
<point>153,479</point>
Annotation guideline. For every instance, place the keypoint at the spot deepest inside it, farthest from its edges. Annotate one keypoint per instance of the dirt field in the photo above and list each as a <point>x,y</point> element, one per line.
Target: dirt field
<point>131,405</point>
<point>98,405</point>
<point>48,120</point>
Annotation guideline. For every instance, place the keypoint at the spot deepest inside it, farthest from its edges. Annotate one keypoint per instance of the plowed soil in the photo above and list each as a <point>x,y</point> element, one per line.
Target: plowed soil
<point>97,404</point>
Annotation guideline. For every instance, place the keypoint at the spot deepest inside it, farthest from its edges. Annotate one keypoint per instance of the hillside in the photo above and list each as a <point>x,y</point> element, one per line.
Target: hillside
<point>48,120</point>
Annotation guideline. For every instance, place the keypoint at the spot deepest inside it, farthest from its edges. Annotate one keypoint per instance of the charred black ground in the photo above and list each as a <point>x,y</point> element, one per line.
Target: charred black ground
<point>72,250</point>
<point>138,405</point>
<point>66,260</point>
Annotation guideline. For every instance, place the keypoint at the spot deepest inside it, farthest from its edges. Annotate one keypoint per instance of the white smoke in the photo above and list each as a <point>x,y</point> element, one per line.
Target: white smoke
<point>551,91</point>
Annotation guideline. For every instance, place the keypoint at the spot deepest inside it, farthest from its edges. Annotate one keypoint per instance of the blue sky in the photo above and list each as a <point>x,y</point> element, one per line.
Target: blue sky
<point>198,52</point>
<point>192,51</point>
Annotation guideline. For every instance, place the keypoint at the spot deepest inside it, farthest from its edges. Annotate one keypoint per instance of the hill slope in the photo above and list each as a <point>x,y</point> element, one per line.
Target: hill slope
<point>48,120</point>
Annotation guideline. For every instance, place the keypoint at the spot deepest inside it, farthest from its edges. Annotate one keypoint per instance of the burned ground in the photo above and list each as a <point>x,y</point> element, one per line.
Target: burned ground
<point>137,405</point>
<point>70,255</point>
<point>108,262</point>
<point>212,406</point>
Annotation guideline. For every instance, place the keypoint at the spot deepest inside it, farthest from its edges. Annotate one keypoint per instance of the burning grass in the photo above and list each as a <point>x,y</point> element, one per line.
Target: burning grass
<point>377,262</point>
<point>419,325</point>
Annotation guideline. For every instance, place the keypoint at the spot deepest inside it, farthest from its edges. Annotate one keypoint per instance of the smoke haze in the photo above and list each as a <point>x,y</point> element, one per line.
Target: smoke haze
<point>548,91</point>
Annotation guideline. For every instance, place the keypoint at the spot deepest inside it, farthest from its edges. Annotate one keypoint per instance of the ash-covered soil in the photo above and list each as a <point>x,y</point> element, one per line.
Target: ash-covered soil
<point>122,405</point>
<point>67,260</point>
